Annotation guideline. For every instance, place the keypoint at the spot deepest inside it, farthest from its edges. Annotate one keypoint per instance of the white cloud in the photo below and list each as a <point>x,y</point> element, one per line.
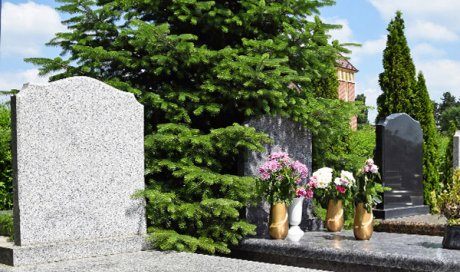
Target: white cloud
<point>442,75</point>
<point>15,80</point>
<point>26,27</point>
<point>344,34</point>
<point>431,31</point>
<point>448,8</point>
<point>368,48</point>
<point>427,50</point>
<point>441,12</point>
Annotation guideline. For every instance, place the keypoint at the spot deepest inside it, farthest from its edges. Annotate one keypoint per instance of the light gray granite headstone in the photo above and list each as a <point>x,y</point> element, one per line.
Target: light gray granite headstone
<point>287,136</point>
<point>456,150</point>
<point>78,155</point>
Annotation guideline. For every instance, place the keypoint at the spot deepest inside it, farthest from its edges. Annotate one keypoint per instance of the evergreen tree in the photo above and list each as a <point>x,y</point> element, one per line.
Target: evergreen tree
<point>201,68</point>
<point>447,168</point>
<point>402,92</point>
<point>447,111</point>
<point>397,81</point>
<point>424,114</point>
<point>448,101</point>
<point>6,171</point>
<point>448,116</point>
<point>363,115</point>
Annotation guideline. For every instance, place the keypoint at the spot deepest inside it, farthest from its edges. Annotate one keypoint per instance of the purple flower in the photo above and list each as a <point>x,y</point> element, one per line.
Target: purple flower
<point>300,168</point>
<point>278,156</point>
<point>374,169</point>
<point>264,175</point>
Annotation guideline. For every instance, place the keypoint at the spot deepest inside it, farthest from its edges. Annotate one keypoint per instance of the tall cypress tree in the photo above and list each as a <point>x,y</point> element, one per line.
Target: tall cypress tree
<point>403,92</point>
<point>424,114</point>
<point>397,81</point>
<point>201,68</point>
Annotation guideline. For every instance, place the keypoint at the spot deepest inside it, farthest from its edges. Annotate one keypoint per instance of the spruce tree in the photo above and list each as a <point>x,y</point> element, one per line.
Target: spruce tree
<point>397,81</point>
<point>424,114</point>
<point>201,68</point>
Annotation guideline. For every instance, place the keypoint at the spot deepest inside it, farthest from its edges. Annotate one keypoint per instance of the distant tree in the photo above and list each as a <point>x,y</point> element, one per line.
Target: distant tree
<point>447,101</point>
<point>443,113</point>
<point>424,114</point>
<point>363,115</point>
<point>397,81</point>
<point>448,116</point>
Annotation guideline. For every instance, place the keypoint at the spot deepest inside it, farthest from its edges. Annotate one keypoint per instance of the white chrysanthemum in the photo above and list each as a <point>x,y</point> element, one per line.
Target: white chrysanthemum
<point>323,177</point>
<point>338,181</point>
<point>348,176</point>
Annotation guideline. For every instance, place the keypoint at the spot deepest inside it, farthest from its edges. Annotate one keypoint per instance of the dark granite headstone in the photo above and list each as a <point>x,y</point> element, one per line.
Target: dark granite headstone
<point>288,137</point>
<point>399,155</point>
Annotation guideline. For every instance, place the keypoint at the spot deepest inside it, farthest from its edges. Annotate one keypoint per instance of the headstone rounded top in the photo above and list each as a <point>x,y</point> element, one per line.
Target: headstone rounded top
<point>79,157</point>
<point>457,133</point>
<point>396,116</point>
<point>74,85</point>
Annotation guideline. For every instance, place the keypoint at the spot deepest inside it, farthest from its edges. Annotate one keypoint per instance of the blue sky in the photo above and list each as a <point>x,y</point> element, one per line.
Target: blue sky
<point>432,29</point>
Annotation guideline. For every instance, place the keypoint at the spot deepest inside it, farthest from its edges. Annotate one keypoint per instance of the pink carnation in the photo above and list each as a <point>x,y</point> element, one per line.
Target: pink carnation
<point>309,194</point>
<point>341,189</point>
<point>300,192</point>
<point>312,182</point>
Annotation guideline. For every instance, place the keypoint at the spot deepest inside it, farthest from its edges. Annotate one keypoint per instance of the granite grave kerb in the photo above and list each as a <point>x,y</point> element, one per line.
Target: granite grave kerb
<point>78,157</point>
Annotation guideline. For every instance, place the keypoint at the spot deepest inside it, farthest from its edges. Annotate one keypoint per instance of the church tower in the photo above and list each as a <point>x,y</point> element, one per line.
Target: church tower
<point>346,76</point>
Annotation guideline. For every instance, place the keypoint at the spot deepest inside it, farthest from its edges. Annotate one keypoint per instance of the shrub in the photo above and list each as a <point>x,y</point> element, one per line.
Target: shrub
<point>6,171</point>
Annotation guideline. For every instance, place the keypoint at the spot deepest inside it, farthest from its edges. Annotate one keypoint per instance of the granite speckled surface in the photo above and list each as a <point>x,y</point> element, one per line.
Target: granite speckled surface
<point>78,153</point>
<point>156,261</point>
<point>341,252</point>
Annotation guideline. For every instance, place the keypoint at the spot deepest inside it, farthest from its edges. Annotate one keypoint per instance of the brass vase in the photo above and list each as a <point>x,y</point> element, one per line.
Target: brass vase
<point>279,225</point>
<point>334,216</point>
<point>362,226</point>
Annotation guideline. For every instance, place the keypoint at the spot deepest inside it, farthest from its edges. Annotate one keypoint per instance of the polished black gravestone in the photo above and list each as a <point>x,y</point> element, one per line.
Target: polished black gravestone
<point>399,154</point>
<point>287,136</point>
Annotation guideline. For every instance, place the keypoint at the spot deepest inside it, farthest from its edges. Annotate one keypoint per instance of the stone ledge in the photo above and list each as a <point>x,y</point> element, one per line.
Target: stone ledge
<point>46,253</point>
<point>341,252</point>
<point>151,261</point>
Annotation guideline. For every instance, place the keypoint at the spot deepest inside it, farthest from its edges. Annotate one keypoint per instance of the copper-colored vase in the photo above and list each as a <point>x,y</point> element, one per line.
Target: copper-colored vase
<point>362,226</point>
<point>279,225</point>
<point>334,216</point>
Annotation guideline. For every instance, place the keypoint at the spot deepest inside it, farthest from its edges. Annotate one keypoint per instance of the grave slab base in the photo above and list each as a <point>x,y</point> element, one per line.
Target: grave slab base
<point>13,255</point>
